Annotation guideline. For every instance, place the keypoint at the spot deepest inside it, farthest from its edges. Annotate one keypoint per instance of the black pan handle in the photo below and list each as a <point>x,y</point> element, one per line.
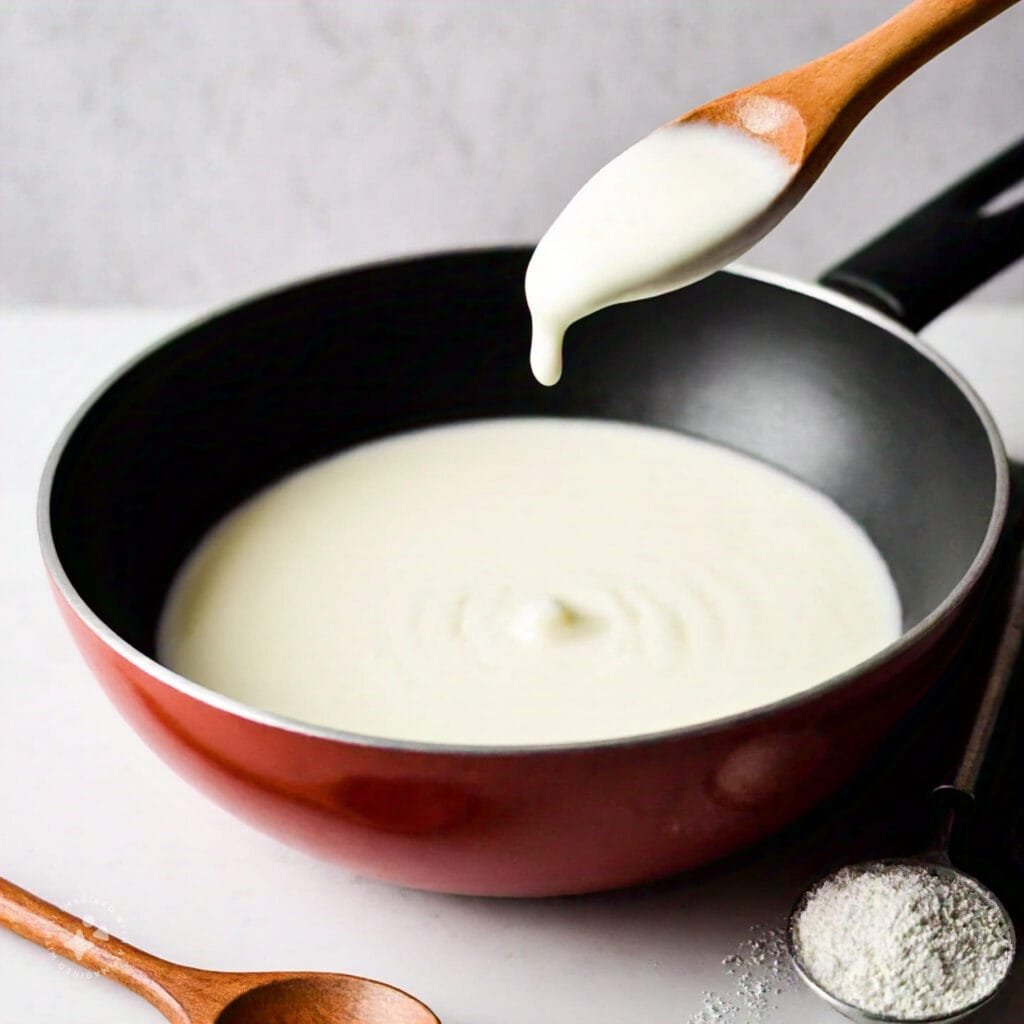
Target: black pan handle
<point>943,250</point>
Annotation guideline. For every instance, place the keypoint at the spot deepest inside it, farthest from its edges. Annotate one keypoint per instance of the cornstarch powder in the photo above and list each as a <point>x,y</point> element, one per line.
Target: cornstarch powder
<point>903,940</point>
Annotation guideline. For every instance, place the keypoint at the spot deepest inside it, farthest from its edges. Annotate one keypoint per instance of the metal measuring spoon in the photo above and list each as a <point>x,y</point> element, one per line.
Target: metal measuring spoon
<point>956,796</point>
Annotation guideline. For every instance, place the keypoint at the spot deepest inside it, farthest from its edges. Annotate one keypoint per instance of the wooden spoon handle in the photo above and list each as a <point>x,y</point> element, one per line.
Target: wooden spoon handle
<point>834,92</point>
<point>46,925</point>
<point>919,32</point>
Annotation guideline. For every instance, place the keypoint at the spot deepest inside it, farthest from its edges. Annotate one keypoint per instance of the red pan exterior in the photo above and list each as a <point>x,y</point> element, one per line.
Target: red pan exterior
<point>529,823</point>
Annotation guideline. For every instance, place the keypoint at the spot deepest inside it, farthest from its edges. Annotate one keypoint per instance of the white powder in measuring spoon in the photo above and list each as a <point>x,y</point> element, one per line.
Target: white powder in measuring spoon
<point>903,940</point>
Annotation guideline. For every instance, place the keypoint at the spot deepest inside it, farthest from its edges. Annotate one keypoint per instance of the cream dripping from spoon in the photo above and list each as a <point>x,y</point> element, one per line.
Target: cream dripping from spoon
<point>671,209</point>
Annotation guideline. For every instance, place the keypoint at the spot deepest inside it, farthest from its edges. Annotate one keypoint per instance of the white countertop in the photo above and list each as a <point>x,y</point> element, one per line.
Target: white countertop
<point>92,820</point>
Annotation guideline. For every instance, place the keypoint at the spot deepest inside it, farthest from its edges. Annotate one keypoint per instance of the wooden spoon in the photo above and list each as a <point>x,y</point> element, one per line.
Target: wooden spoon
<point>808,112</point>
<point>628,233</point>
<point>187,995</point>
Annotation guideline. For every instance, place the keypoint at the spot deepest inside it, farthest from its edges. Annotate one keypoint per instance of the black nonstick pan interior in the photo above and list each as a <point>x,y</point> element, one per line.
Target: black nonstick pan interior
<point>840,400</point>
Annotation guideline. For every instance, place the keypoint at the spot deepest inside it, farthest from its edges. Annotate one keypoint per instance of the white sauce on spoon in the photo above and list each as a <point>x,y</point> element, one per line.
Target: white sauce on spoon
<point>528,581</point>
<point>673,208</point>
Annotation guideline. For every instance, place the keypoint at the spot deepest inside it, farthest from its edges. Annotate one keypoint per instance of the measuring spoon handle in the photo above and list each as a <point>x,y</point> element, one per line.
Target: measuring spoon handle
<point>993,697</point>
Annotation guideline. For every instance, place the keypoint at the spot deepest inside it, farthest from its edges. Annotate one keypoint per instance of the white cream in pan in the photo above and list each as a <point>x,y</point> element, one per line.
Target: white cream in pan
<point>528,581</point>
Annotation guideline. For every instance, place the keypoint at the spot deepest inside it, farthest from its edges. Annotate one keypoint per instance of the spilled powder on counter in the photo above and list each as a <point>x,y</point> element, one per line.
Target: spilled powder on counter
<point>903,940</point>
<point>760,971</point>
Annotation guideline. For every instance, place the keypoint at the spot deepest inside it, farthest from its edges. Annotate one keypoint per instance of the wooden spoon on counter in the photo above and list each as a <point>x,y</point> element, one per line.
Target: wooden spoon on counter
<point>187,995</point>
<point>807,113</point>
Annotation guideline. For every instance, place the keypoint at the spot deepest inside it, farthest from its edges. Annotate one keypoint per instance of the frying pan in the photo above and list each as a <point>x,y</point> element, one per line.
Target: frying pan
<point>835,390</point>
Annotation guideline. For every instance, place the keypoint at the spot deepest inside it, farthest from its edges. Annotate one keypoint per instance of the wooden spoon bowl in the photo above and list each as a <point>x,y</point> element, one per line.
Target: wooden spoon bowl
<point>319,999</point>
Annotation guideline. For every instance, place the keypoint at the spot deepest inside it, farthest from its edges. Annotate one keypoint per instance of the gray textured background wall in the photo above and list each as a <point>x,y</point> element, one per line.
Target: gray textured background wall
<point>188,151</point>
